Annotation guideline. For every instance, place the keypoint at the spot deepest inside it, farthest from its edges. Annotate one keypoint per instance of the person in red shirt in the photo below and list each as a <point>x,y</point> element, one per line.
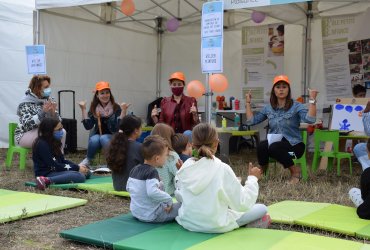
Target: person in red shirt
<point>179,111</point>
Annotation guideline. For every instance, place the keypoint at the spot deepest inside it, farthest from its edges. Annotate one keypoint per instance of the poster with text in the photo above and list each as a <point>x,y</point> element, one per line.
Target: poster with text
<point>346,44</point>
<point>262,59</point>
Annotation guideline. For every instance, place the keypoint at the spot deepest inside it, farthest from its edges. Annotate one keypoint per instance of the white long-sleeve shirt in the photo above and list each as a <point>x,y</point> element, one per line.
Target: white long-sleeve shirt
<point>211,195</point>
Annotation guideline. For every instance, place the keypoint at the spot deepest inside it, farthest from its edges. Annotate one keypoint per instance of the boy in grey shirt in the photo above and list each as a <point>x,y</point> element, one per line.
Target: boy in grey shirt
<point>149,203</point>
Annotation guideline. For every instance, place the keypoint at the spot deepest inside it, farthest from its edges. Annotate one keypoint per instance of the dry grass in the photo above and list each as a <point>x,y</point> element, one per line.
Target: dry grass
<point>42,232</point>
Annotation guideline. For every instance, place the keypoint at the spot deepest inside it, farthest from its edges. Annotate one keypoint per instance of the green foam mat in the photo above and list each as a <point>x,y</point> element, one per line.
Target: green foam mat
<point>18,205</point>
<point>102,184</point>
<point>125,232</point>
<point>330,217</point>
<point>288,212</point>
<point>261,239</point>
<point>106,232</point>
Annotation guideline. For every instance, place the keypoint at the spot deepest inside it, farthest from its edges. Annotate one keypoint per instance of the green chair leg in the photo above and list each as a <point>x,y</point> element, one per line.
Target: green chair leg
<point>9,158</point>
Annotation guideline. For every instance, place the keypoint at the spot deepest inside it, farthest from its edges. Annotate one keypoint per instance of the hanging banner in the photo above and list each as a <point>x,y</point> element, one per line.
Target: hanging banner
<point>36,62</point>
<point>212,37</point>
<point>346,43</point>
<point>262,59</point>
<point>240,4</point>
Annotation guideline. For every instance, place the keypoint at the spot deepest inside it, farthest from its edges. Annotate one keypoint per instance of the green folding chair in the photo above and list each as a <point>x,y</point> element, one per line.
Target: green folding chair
<point>333,137</point>
<point>15,149</point>
<point>301,161</point>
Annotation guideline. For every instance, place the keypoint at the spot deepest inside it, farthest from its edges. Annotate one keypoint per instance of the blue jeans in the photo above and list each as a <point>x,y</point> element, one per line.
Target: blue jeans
<point>96,142</point>
<point>360,152</point>
<point>66,177</point>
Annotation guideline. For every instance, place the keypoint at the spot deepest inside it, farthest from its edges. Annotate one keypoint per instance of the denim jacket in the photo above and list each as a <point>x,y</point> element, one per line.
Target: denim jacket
<point>284,122</point>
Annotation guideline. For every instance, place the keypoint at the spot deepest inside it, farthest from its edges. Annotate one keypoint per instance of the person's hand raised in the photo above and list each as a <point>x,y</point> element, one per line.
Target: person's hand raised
<point>82,105</point>
<point>125,106</point>
<point>193,109</point>
<point>255,171</point>
<point>248,96</point>
<point>154,111</point>
<point>312,93</point>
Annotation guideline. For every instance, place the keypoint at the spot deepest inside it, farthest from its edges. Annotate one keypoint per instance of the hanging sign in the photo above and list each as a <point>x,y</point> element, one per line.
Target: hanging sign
<point>212,37</point>
<point>36,62</point>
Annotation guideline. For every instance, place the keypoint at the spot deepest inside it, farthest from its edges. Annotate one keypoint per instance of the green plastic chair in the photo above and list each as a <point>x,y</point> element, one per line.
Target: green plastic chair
<point>333,137</point>
<point>301,161</point>
<point>15,149</point>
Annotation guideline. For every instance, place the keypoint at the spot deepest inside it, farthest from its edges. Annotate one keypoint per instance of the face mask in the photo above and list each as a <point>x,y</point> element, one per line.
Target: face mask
<point>46,92</point>
<point>58,134</point>
<point>177,91</point>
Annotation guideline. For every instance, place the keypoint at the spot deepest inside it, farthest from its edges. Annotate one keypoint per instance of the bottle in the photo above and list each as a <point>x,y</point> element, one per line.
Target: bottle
<point>223,122</point>
<point>236,120</point>
<point>237,102</point>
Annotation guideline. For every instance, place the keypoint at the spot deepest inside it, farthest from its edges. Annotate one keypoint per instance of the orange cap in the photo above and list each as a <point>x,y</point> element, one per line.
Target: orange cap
<point>177,75</point>
<point>102,85</point>
<point>281,78</point>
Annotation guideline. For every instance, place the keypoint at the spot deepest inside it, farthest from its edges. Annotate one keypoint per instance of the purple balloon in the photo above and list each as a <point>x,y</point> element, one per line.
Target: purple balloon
<point>172,24</point>
<point>258,17</point>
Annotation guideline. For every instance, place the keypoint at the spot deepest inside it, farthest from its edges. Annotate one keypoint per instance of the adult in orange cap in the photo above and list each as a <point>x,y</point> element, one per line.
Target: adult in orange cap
<point>179,111</point>
<point>102,119</point>
<point>284,141</point>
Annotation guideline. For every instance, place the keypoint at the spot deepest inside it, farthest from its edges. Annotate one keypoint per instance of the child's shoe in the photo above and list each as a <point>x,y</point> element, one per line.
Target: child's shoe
<point>42,182</point>
<point>264,222</point>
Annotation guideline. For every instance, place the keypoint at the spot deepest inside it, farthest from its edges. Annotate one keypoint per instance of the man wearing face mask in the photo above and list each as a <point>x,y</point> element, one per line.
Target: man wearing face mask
<point>36,105</point>
<point>179,111</point>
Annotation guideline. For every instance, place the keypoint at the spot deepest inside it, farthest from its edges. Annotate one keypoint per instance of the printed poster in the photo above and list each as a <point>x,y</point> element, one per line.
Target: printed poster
<point>262,59</point>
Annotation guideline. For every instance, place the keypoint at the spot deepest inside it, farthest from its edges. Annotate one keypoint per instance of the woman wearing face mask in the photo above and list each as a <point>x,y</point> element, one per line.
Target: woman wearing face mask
<point>49,164</point>
<point>179,111</point>
<point>36,105</point>
<point>284,116</point>
<point>102,119</point>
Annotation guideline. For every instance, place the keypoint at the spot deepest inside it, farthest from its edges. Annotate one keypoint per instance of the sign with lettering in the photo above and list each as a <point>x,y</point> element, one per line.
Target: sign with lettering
<point>36,62</point>
<point>212,37</point>
<point>240,4</point>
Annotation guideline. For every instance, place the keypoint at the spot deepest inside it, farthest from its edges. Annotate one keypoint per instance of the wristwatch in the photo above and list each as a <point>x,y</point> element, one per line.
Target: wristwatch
<point>312,101</point>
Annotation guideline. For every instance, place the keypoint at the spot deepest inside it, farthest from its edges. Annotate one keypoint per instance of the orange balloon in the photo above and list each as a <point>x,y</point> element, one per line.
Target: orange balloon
<point>218,83</point>
<point>195,89</point>
<point>128,7</point>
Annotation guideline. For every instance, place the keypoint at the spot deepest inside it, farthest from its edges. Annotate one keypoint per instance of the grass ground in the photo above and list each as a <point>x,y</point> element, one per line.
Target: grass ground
<point>42,232</point>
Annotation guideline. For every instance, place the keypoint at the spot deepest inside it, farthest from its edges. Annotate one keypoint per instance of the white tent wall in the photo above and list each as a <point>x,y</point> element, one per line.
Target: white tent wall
<point>80,53</point>
<point>181,52</point>
<point>16,31</point>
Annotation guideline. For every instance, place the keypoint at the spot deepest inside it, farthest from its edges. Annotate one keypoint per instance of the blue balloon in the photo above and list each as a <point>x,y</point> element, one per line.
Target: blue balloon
<point>339,107</point>
<point>349,109</point>
<point>359,108</point>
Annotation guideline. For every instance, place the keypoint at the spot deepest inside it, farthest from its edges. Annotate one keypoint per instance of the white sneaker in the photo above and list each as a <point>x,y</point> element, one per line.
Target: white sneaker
<point>85,162</point>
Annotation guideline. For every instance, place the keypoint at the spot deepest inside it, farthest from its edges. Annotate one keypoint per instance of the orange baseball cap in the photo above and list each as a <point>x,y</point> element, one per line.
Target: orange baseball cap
<point>177,75</point>
<point>281,78</point>
<point>102,85</point>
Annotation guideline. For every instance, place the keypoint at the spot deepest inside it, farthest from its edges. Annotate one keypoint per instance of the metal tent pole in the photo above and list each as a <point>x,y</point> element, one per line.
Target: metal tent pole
<point>37,28</point>
<point>159,56</point>
<point>307,63</point>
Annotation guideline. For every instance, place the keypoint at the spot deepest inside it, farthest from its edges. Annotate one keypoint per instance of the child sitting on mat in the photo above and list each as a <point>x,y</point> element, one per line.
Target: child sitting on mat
<point>169,169</point>
<point>213,200</point>
<point>182,146</point>
<point>48,160</point>
<point>149,203</point>
<point>124,152</point>
<point>361,197</point>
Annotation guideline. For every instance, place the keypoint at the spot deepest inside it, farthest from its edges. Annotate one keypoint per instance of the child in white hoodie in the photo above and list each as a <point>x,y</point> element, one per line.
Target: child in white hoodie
<point>213,200</point>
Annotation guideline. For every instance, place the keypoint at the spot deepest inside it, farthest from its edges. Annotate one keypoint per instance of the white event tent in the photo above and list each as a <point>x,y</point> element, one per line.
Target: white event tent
<point>91,40</point>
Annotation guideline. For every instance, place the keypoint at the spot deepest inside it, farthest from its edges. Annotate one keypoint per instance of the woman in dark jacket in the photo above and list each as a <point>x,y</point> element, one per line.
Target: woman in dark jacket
<point>102,119</point>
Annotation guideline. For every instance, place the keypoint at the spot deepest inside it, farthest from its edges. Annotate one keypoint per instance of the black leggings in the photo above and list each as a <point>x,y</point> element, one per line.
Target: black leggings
<point>280,152</point>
